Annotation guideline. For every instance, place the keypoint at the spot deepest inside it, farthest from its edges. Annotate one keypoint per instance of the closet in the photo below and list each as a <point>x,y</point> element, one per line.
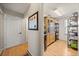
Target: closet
<point>49,31</point>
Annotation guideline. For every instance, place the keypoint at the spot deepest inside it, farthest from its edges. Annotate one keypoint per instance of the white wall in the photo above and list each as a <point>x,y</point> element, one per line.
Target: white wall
<point>23,27</point>
<point>34,36</point>
<point>78,35</point>
<point>26,27</point>
<point>1,31</point>
<point>12,28</point>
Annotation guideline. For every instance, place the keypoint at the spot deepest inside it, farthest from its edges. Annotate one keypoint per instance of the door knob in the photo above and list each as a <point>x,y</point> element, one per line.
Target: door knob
<point>20,32</point>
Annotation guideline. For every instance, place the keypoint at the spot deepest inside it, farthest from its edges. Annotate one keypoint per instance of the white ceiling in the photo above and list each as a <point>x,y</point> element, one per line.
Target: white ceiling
<point>17,7</point>
<point>65,7</point>
<point>48,7</point>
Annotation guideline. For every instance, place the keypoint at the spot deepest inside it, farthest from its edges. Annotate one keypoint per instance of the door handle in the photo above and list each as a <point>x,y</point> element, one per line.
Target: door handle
<point>20,33</point>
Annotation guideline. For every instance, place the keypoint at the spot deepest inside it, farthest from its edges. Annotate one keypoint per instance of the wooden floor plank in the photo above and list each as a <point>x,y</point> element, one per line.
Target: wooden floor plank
<point>60,48</point>
<point>18,50</point>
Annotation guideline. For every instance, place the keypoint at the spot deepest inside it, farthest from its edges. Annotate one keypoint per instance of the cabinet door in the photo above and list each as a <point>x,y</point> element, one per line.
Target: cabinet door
<point>51,31</point>
<point>48,39</point>
<point>52,38</point>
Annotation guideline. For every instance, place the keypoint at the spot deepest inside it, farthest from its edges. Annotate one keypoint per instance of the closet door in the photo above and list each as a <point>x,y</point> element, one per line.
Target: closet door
<point>13,31</point>
<point>52,31</point>
<point>1,31</point>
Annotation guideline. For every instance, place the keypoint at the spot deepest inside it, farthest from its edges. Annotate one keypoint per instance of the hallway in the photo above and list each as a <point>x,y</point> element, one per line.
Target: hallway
<point>59,48</point>
<point>39,25</point>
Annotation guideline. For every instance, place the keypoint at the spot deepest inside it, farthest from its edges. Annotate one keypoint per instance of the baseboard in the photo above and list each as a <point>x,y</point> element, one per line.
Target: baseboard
<point>51,43</point>
<point>29,53</point>
<point>2,49</point>
<point>1,52</point>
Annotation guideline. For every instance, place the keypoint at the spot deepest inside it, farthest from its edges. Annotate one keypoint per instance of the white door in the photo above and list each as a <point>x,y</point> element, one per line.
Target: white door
<point>13,31</point>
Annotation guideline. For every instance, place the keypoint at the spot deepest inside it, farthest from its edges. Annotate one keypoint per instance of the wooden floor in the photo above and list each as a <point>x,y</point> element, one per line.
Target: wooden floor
<point>0,52</point>
<point>59,48</point>
<point>18,50</point>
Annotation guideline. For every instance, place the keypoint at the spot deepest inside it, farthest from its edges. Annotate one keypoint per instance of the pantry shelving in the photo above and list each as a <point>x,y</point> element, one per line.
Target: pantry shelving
<point>73,31</point>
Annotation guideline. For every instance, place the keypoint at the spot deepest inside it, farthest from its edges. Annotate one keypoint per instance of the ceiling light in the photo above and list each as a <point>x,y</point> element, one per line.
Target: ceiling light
<point>59,11</point>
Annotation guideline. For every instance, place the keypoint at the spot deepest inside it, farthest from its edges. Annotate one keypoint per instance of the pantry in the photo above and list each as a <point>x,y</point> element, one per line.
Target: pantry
<point>72,37</point>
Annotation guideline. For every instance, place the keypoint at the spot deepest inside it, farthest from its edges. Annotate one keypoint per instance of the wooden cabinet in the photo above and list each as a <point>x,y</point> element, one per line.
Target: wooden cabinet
<point>49,31</point>
<point>50,38</point>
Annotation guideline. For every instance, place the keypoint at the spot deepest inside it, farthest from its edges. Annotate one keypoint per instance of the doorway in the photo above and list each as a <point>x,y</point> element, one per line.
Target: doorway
<point>56,31</point>
<point>51,31</point>
<point>53,45</point>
